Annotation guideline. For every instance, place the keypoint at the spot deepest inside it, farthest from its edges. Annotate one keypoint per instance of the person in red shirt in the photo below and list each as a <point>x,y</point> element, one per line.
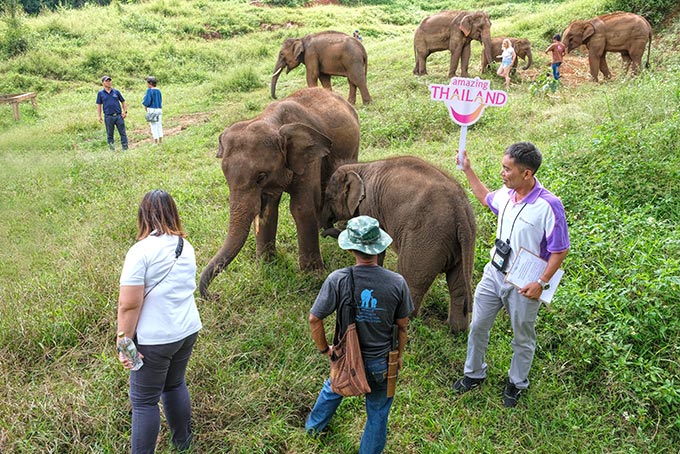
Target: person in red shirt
<point>558,52</point>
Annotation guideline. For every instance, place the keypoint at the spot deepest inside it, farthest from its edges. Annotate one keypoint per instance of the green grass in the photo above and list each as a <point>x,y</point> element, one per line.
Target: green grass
<point>605,377</point>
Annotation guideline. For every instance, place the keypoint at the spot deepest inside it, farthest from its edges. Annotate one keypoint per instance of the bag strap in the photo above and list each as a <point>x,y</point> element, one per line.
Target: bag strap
<point>339,332</point>
<point>178,252</point>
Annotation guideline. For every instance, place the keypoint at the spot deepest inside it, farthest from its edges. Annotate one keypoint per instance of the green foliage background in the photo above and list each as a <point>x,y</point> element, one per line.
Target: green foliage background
<point>605,377</point>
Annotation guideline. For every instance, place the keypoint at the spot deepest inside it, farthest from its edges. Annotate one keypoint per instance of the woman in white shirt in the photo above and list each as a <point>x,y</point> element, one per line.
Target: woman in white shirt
<point>156,308</point>
<point>508,57</point>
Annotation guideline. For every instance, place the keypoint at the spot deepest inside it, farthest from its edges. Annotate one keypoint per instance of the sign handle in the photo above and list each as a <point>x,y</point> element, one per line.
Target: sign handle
<point>461,146</point>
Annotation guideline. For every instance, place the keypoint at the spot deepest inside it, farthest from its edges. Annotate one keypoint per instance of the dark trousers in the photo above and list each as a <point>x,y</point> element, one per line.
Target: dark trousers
<point>116,120</point>
<point>161,378</point>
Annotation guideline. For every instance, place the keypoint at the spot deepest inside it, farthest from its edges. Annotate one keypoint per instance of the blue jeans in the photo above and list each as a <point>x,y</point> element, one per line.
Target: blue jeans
<point>556,70</point>
<point>161,378</point>
<point>115,120</point>
<point>377,408</point>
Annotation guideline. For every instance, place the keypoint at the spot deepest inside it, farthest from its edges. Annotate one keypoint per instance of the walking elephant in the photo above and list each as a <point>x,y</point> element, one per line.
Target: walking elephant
<point>453,31</point>
<point>293,146</point>
<point>626,33</point>
<point>426,212</point>
<point>326,54</point>
<point>522,48</point>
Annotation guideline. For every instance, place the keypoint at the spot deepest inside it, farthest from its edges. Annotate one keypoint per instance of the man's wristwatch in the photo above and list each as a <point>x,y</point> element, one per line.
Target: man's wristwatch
<point>544,285</point>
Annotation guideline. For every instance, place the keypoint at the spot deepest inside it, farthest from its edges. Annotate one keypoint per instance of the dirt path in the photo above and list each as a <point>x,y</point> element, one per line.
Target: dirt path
<point>185,121</point>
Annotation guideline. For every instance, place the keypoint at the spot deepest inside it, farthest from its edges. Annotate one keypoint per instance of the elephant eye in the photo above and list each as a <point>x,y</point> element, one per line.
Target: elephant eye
<point>261,177</point>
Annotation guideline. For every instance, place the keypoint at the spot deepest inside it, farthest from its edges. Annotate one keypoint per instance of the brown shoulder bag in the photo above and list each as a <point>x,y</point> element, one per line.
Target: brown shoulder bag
<point>348,377</point>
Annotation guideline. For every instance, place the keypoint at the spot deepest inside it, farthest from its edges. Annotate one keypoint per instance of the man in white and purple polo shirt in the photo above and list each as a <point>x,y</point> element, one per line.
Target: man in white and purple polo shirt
<point>529,217</point>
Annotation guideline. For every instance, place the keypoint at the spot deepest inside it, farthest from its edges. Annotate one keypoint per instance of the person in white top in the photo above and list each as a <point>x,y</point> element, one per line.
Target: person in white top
<point>156,308</point>
<point>508,58</point>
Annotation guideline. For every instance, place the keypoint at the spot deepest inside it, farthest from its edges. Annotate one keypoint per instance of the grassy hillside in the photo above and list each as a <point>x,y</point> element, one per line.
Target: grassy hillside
<point>605,377</point>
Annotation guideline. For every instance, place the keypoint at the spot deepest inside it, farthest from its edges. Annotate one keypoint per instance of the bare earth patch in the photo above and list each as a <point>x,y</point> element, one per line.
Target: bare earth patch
<point>185,121</point>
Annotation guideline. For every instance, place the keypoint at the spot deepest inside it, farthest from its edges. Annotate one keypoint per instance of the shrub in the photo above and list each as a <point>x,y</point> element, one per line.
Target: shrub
<point>544,84</point>
<point>15,40</point>
<point>653,10</point>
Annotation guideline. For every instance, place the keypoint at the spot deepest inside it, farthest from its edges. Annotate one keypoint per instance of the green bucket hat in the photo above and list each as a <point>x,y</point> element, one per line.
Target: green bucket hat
<point>364,234</point>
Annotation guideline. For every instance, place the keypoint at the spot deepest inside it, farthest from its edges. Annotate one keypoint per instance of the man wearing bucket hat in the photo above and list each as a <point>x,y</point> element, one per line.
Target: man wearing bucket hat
<point>382,299</point>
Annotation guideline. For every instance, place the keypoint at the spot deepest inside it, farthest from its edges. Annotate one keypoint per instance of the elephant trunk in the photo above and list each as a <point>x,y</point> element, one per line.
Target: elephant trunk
<point>236,238</point>
<point>275,77</point>
<point>487,46</point>
<point>529,59</point>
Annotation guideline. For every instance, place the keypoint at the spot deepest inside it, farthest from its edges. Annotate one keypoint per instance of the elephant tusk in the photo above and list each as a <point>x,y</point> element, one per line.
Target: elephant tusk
<point>276,73</point>
<point>257,225</point>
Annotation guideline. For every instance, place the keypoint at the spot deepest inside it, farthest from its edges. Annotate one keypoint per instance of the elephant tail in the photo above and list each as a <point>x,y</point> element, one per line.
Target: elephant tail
<point>466,238</point>
<point>649,49</point>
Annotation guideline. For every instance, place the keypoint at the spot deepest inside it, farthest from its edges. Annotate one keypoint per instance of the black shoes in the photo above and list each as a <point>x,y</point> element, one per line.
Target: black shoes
<point>466,384</point>
<point>511,395</point>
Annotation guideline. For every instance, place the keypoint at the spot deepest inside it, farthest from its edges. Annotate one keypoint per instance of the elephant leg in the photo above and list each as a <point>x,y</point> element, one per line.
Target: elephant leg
<point>465,61</point>
<point>458,312</point>
<point>626,62</point>
<point>421,59</point>
<point>304,213</point>
<point>358,82</point>
<point>453,65</point>
<point>594,63</point>
<point>312,75</point>
<point>604,67</point>
<point>325,81</point>
<point>265,232</point>
<point>352,97</point>
<point>419,272</point>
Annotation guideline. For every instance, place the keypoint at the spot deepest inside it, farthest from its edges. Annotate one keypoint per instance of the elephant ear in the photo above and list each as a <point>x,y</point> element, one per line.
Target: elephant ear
<point>298,49</point>
<point>303,145</point>
<point>588,31</point>
<point>466,25</point>
<point>354,191</point>
<point>220,148</point>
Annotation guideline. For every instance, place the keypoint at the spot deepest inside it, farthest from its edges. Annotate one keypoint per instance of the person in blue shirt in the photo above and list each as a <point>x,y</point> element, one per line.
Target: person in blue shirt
<point>153,101</point>
<point>109,100</point>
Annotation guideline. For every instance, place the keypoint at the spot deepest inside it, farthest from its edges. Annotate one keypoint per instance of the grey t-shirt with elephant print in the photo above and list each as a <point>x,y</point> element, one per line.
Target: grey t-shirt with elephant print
<point>381,296</point>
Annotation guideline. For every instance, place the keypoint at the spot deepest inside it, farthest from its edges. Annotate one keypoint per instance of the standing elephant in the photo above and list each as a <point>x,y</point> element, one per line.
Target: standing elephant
<point>326,54</point>
<point>522,48</point>
<point>293,146</point>
<point>426,212</point>
<point>626,33</point>
<point>453,31</point>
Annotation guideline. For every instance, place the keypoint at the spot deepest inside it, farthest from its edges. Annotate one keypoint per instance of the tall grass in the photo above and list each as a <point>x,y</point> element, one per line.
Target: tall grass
<point>605,377</point>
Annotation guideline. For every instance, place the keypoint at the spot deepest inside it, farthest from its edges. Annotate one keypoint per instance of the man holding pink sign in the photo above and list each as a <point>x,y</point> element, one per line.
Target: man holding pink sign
<point>529,217</point>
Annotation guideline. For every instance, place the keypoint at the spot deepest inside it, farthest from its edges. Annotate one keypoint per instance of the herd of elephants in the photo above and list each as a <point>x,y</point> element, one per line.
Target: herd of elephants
<point>308,145</point>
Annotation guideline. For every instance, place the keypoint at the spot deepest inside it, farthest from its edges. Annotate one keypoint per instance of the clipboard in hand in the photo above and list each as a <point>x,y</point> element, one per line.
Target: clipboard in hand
<point>528,267</point>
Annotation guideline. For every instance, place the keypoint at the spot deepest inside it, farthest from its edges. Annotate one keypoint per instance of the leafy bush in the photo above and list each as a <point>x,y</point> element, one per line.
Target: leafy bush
<point>655,11</point>
<point>15,40</point>
<point>543,84</point>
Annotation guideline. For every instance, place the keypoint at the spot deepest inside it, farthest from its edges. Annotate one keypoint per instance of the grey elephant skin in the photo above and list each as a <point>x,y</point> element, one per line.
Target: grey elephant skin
<point>626,33</point>
<point>326,54</point>
<point>293,146</point>
<point>522,48</point>
<point>428,215</point>
<point>452,31</point>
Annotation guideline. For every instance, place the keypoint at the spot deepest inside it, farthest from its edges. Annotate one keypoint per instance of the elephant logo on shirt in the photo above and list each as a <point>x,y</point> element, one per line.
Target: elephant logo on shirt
<point>367,300</point>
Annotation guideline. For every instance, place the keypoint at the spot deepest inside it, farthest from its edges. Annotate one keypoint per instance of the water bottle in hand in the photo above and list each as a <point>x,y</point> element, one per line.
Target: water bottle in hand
<point>127,347</point>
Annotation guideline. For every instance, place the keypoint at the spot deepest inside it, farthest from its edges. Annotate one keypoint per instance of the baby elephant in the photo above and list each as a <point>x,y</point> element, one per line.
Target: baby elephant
<point>426,212</point>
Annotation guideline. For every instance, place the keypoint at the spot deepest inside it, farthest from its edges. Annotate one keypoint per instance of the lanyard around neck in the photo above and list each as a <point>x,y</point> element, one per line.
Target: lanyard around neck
<point>500,234</point>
